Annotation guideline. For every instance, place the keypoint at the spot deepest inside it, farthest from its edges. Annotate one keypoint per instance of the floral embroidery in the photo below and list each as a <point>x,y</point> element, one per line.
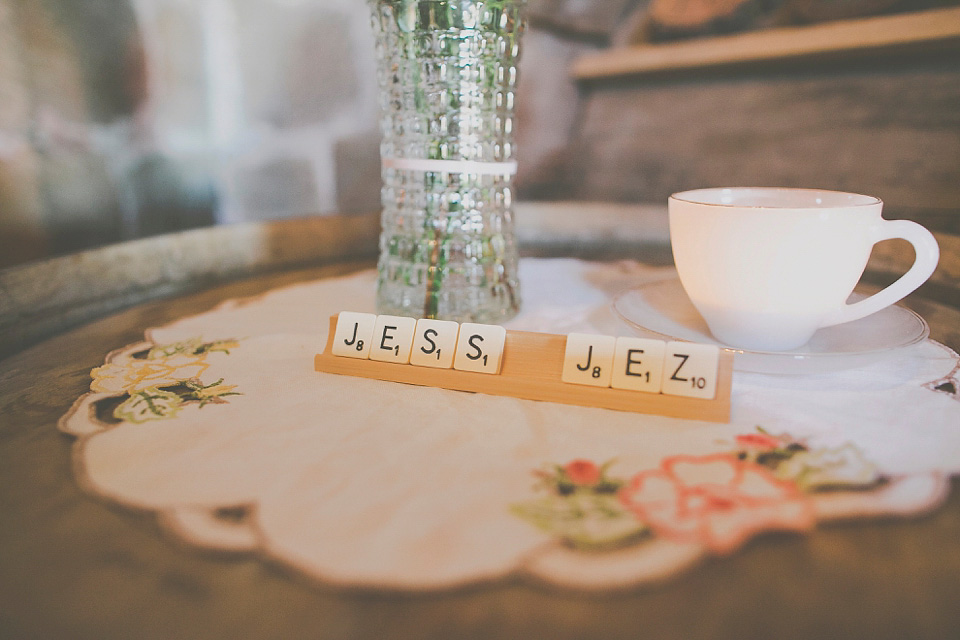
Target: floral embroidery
<point>148,404</point>
<point>154,403</point>
<point>209,394</point>
<point>761,441</point>
<point>159,382</point>
<point>583,472</point>
<point>825,468</point>
<point>193,346</point>
<point>581,507</point>
<point>163,366</point>
<point>719,501</point>
<point>136,375</point>
<point>811,470</point>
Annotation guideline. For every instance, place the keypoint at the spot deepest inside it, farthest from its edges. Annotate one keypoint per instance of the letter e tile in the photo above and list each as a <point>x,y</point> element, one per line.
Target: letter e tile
<point>480,348</point>
<point>434,343</point>
<point>392,339</point>
<point>638,364</point>
<point>691,369</point>
<point>353,335</point>
<point>588,359</point>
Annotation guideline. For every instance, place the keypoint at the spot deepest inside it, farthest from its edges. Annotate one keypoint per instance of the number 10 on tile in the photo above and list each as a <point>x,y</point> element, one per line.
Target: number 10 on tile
<point>640,364</point>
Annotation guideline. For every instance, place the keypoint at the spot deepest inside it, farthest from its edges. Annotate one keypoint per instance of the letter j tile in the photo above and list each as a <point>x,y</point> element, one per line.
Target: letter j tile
<point>588,359</point>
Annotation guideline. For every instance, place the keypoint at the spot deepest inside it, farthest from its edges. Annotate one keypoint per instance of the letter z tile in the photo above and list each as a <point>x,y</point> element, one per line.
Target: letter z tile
<point>691,369</point>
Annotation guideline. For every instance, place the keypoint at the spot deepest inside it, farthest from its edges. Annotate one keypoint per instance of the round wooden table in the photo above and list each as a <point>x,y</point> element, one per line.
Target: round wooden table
<point>74,567</point>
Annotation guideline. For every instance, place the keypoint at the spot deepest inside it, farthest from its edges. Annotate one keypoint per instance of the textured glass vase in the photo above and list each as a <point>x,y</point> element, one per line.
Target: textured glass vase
<point>447,77</point>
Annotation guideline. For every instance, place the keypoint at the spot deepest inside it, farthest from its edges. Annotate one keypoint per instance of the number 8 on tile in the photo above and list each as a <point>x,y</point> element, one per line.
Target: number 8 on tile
<point>588,359</point>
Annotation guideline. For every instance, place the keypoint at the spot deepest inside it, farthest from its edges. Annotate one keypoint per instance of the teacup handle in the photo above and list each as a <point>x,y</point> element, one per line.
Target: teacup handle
<point>928,254</point>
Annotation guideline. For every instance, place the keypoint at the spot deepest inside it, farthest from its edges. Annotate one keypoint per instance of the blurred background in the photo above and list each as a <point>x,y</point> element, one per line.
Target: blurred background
<point>122,119</point>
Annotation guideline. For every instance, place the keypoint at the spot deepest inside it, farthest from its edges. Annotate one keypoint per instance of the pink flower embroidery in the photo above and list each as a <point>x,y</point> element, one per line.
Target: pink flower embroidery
<point>582,472</point>
<point>758,441</point>
<point>716,500</point>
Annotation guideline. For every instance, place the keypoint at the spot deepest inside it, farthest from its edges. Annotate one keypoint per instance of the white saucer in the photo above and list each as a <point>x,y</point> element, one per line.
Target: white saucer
<point>662,309</point>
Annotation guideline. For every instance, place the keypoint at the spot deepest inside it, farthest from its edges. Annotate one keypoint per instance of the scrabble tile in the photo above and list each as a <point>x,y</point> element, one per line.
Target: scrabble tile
<point>392,339</point>
<point>638,364</point>
<point>588,359</point>
<point>690,369</point>
<point>353,335</point>
<point>434,343</point>
<point>480,348</point>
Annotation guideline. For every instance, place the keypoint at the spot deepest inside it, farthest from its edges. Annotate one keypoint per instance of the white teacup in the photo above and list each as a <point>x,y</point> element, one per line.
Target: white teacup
<point>767,267</point>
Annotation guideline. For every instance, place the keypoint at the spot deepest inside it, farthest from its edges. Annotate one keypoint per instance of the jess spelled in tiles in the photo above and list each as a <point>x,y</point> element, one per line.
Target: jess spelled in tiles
<point>690,369</point>
<point>638,364</point>
<point>392,339</point>
<point>434,343</point>
<point>354,334</point>
<point>588,359</point>
<point>480,348</point>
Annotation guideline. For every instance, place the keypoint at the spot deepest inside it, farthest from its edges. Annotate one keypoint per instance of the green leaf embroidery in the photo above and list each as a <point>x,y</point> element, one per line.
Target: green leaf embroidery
<point>149,404</point>
<point>193,346</point>
<point>587,522</point>
<point>207,394</point>
<point>582,508</point>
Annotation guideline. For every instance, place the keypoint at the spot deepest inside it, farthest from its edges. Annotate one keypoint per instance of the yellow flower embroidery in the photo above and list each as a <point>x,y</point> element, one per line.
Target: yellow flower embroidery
<point>159,382</point>
<point>134,375</point>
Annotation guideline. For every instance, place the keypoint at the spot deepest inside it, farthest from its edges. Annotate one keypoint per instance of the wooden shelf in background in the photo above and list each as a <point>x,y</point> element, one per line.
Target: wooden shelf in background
<point>916,31</point>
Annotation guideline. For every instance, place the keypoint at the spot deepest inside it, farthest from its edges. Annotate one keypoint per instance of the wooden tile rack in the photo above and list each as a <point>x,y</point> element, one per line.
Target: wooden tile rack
<point>531,368</point>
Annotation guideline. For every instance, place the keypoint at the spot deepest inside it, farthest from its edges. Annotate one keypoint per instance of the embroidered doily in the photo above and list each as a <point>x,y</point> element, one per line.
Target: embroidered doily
<point>220,425</point>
